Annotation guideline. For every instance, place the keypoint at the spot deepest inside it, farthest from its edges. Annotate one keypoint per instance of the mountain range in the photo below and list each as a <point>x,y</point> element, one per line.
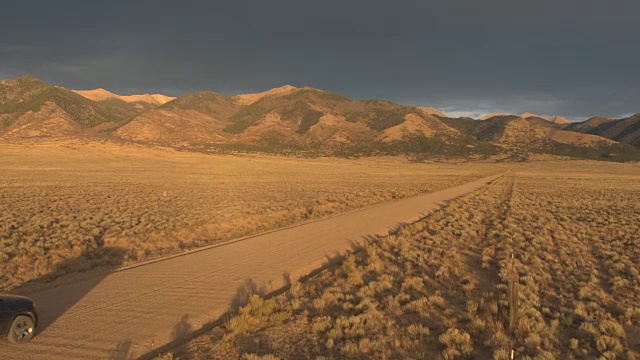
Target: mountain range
<point>553,119</point>
<point>305,120</point>
<point>625,130</point>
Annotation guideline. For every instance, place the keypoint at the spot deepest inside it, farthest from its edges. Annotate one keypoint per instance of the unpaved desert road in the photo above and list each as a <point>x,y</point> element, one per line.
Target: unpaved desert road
<point>133,312</point>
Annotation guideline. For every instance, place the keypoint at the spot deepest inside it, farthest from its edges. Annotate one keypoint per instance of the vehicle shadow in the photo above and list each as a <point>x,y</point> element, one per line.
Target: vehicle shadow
<point>71,280</point>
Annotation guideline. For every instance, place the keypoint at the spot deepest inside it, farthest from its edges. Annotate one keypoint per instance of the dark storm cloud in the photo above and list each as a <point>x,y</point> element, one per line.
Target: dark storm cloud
<point>572,58</point>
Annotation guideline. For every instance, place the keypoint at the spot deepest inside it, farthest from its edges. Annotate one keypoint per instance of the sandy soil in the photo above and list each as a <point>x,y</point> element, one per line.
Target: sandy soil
<point>138,311</point>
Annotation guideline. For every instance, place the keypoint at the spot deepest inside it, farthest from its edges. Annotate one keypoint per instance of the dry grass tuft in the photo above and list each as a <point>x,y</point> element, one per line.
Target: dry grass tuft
<point>438,288</point>
<point>59,202</point>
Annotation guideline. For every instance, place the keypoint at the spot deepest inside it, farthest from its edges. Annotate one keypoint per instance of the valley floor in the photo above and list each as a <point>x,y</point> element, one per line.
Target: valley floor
<point>443,287</point>
<point>135,312</point>
<point>566,230</point>
<point>107,204</point>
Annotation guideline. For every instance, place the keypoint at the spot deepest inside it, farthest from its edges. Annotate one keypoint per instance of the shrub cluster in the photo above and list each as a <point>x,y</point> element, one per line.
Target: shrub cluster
<point>66,209</point>
<point>439,288</point>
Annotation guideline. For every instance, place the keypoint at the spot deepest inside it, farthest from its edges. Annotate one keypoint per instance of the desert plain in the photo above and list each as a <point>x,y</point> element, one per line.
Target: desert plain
<point>441,286</point>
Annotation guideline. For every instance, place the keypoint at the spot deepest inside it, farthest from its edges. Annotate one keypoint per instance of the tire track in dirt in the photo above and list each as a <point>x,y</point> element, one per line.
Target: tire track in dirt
<point>134,312</point>
<point>489,274</point>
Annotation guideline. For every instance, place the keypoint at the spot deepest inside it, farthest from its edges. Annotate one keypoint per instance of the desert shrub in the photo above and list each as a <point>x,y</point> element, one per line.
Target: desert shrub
<point>457,343</point>
<point>608,346</point>
<point>612,328</point>
<point>250,356</point>
<point>569,241</point>
<point>501,354</point>
<point>321,324</point>
<point>151,209</point>
<point>574,343</point>
<point>257,313</point>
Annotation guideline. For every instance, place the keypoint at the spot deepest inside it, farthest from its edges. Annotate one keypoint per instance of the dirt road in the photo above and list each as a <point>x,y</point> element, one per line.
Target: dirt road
<point>133,313</point>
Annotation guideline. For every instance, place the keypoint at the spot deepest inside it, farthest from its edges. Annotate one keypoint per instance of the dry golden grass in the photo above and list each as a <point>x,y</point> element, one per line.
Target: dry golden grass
<point>438,288</point>
<point>65,201</point>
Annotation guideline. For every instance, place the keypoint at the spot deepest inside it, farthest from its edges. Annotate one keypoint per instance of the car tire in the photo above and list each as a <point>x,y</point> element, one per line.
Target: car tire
<point>22,329</point>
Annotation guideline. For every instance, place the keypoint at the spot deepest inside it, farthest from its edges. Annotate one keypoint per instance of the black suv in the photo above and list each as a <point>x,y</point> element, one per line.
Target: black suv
<point>18,318</point>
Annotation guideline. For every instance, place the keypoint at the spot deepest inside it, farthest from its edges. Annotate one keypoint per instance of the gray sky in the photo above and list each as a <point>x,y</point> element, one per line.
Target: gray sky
<point>574,58</point>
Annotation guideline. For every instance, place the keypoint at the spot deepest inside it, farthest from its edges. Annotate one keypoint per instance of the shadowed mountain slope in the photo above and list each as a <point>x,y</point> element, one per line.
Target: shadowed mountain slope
<point>194,118</point>
<point>30,107</point>
<point>305,120</point>
<point>625,130</point>
<point>526,115</point>
<point>288,117</point>
<point>431,111</point>
<point>588,125</point>
<point>532,134</point>
<point>306,107</point>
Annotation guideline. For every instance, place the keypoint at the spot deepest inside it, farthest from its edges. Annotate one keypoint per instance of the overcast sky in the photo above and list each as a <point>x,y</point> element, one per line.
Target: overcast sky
<point>574,58</point>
